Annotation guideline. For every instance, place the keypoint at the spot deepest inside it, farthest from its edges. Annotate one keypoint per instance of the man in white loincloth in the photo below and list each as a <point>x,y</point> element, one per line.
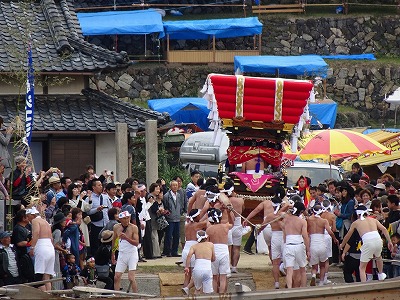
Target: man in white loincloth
<point>331,217</point>
<point>191,228</point>
<point>297,248</point>
<point>43,250</point>
<point>127,237</point>
<point>218,235</point>
<point>372,241</point>
<point>236,233</point>
<point>316,226</point>
<point>273,236</point>
<point>204,256</point>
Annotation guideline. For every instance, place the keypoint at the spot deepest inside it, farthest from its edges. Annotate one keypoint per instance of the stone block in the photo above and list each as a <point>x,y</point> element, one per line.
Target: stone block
<point>126,78</point>
<point>167,85</point>
<point>340,83</point>
<point>112,83</point>
<point>361,94</point>
<point>144,95</point>
<point>286,44</point>
<point>136,85</point>
<point>102,84</point>
<point>342,50</point>
<point>376,73</point>
<point>124,85</point>
<point>368,102</point>
<point>307,37</point>
<point>343,73</point>
<point>348,89</point>
<point>369,36</point>
<point>337,32</point>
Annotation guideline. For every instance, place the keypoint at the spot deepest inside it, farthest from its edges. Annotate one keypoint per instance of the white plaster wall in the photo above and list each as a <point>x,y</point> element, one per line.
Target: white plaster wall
<point>73,86</point>
<point>9,89</point>
<point>105,153</point>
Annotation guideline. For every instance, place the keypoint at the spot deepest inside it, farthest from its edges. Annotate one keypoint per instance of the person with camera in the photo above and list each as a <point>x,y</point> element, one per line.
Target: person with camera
<point>4,154</point>
<point>98,213</point>
<point>22,180</point>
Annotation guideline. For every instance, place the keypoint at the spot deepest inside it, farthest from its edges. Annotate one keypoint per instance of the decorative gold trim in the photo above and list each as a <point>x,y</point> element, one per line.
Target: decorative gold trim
<point>239,96</point>
<point>278,99</point>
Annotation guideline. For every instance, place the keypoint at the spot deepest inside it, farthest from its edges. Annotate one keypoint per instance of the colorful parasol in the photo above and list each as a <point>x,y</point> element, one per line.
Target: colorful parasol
<point>332,144</point>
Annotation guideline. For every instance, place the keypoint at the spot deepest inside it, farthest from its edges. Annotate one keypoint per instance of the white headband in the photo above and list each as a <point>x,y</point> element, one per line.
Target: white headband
<point>228,191</point>
<point>277,206</point>
<point>362,212</point>
<point>191,218</point>
<point>215,217</point>
<point>201,237</point>
<point>213,198</point>
<point>318,212</point>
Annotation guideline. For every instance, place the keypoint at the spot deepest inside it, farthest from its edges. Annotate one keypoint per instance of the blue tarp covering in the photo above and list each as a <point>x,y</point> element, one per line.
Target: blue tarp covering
<point>367,56</point>
<point>183,110</point>
<point>305,65</point>
<point>204,29</point>
<point>325,113</point>
<point>121,22</point>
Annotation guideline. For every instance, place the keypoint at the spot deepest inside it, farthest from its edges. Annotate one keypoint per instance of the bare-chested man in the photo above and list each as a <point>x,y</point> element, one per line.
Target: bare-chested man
<point>127,237</point>
<point>235,234</point>
<point>253,165</point>
<point>331,217</point>
<point>297,248</point>
<point>204,256</point>
<point>191,228</point>
<point>198,199</point>
<point>43,250</point>
<point>216,200</point>
<point>274,236</point>
<point>218,235</point>
<point>316,227</point>
<point>372,241</point>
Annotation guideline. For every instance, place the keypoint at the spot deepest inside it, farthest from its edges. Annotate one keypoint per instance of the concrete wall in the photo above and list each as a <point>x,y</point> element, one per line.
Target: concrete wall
<point>105,153</point>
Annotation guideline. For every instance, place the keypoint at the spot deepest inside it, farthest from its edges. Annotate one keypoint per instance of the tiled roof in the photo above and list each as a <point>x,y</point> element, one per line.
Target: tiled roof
<point>93,111</point>
<point>57,40</point>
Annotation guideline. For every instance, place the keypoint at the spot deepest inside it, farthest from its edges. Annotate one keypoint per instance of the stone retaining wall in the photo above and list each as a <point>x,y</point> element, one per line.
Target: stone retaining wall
<point>361,85</point>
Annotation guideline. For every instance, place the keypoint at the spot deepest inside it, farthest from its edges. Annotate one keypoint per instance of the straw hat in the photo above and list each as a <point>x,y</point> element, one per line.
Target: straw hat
<point>107,236</point>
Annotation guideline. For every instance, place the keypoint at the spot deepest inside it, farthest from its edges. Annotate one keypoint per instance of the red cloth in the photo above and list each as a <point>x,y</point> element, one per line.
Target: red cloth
<point>254,181</point>
<point>259,97</point>
<point>241,154</point>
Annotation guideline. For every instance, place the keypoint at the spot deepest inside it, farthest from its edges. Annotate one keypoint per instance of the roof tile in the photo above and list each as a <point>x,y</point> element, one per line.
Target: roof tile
<point>92,111</point>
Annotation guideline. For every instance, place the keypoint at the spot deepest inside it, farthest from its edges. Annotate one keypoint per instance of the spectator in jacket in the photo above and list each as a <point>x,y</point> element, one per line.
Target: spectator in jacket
<point>174,203</point>
<point>8,261</point>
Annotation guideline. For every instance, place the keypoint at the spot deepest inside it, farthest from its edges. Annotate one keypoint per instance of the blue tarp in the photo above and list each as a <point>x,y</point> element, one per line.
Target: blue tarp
<point>204,29</point>
<point>183,110</point>
<point>121,22</point>
<point>367,56</point>
<point>325,113</point>
<point>303,65</point>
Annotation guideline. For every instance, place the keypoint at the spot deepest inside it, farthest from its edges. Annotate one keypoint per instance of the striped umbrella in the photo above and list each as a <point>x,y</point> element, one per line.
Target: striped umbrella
<point>332,144</point>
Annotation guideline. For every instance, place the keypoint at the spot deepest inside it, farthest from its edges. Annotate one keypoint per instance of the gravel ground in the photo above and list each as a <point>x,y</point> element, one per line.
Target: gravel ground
<point>249,265</point>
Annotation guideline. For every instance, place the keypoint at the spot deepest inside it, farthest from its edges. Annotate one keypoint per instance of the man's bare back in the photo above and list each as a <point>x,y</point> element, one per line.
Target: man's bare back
<point>265,207</point>
<point>218,233</point>
<point>331,217</point>
<point>367,225</point>
<point>197,201</point>
<point>41,228</point>
<point>237,204</point>
<point>192,228</point>
<point>316,225</point>
<point>293,225</point>
<point>203,250</point>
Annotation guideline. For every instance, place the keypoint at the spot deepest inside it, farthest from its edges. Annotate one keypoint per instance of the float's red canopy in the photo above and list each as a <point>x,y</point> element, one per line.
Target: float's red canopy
<point>260,99</point>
